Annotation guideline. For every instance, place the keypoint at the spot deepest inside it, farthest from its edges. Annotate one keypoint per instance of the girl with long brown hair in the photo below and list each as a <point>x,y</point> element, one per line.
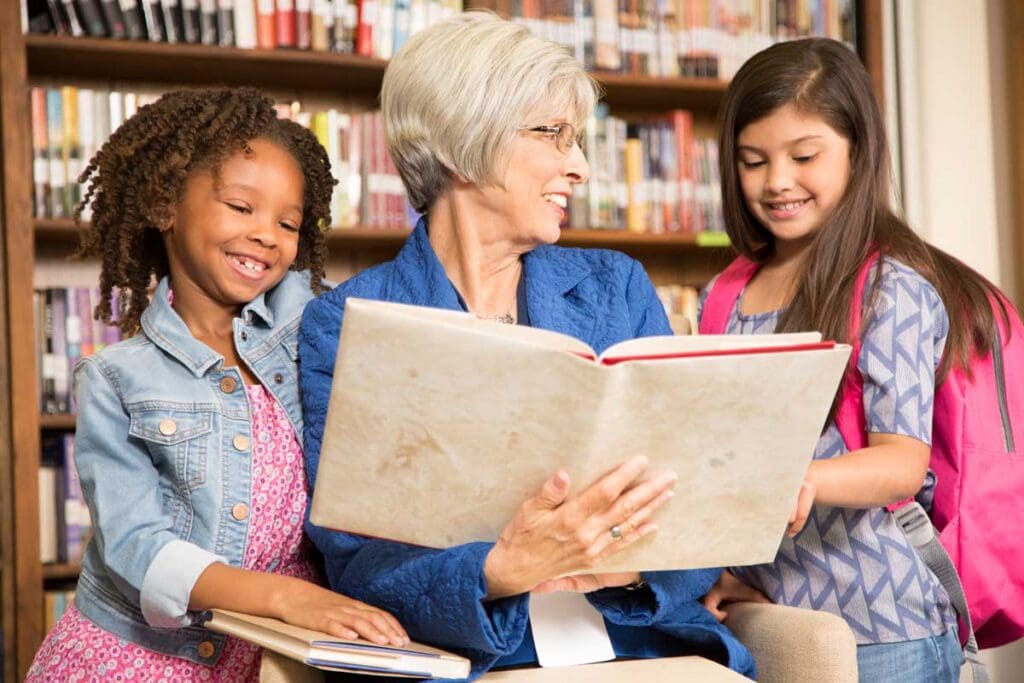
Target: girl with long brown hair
<point>806,182</point>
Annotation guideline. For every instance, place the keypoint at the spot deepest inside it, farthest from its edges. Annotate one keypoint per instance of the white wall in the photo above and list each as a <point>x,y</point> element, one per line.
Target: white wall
<point>946,126</point>
<point>955,158</point>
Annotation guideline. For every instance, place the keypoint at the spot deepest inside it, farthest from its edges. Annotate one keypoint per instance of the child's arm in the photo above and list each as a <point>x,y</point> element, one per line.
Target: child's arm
<point>151,566</point>
<point>904,339</point>
<point>890,469</point>
<point>295,601</point>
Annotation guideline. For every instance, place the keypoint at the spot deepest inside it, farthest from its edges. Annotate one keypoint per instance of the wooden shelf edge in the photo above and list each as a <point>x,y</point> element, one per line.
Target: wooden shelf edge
<point>60,421</point>
<point>64,229</point>
<point>61,571</point>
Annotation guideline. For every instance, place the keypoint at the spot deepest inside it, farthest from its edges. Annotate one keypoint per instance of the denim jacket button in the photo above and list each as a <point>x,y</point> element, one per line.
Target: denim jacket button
<point>240,442</point>
<point>206,649</point>
<point>228,384</point>
<point>168,427</point>
<point>240,511</point>
<point>278,378</point>
<point>244,336</point>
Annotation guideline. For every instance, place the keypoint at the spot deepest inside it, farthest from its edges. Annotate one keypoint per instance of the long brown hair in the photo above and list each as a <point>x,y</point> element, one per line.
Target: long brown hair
<point>824,77</point>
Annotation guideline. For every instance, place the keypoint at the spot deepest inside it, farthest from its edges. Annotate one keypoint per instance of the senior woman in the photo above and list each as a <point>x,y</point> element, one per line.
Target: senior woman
<point>482,119</point>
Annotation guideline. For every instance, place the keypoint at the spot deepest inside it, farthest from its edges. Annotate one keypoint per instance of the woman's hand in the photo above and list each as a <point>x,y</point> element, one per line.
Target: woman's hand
<point>728,589</point>
<point>305,604</point>
<point>552,536</point>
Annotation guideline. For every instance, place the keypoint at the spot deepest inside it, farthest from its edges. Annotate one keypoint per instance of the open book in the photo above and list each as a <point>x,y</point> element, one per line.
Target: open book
<point>440,425</point>
<point>337,654</point>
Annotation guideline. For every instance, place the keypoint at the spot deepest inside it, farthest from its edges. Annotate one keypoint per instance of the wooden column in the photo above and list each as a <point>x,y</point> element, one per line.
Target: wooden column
<point>20,421</point>
<point>1014,40</point>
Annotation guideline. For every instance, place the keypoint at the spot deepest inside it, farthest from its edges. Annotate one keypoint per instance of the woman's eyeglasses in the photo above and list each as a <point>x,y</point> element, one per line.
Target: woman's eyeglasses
<point>562,134</point>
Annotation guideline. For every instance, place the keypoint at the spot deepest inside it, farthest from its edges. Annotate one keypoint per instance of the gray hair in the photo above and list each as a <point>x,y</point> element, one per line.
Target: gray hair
<point>456,95</point>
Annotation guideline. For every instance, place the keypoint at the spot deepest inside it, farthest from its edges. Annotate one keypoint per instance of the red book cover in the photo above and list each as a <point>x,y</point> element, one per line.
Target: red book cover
<point>364,29</point>
<point>682,121</point>
<point>303,24</point>
<point>284,23</point>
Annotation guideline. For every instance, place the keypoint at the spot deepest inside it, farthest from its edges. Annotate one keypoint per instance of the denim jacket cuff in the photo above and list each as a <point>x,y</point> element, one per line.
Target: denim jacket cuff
<point>168,583</point>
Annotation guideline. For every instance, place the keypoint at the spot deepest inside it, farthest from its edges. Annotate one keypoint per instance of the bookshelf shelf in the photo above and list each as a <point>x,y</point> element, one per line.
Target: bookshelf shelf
<point>297,70</point>
<point>64,230</point>
<point>61,571</point>
<point>63,422</point>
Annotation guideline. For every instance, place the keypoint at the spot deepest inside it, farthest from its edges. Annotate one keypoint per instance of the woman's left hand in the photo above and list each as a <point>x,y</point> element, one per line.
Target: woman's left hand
<point>587,583</point>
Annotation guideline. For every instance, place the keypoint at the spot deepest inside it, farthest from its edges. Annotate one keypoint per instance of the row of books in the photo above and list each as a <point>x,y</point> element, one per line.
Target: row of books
<point>669,38</point>
<point>69,124</point>
<point>65,332</point>
<point>374,28</point>
<point>650,176</point>
<point>64,524</point>
<point>653,175</point>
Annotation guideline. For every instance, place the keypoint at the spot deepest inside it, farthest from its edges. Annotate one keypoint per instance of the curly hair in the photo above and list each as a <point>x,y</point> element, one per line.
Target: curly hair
<point>138,176</point>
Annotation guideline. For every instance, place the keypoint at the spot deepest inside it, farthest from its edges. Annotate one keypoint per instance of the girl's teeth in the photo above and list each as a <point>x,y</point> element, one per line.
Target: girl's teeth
<point>788,206</point>
<point>250,265</point>
<point>557,200</point>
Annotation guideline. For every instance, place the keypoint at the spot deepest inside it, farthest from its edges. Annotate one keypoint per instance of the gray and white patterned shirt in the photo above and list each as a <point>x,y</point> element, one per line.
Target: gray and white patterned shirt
<point>857,563</point>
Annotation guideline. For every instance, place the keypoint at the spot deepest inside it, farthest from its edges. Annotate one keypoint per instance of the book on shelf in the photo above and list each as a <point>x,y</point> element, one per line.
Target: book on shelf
<point>331,653</point>
<point>65,332</point>
<point>440,425</point>
<point>64,522</point>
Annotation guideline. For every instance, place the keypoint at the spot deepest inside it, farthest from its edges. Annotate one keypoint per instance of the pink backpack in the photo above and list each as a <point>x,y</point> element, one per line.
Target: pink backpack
<point>977,510</point>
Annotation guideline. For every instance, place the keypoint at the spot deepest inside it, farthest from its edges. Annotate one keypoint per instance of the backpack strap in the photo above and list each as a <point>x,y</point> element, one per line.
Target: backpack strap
<point>722,298</point>
<point>918,529</point>
<point>909,515</point>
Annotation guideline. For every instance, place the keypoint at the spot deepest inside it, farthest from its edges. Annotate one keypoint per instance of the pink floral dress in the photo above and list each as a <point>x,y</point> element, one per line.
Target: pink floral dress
<point>78,650</point>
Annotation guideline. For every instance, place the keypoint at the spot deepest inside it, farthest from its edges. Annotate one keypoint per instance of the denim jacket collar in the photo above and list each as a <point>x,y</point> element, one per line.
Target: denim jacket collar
<point>419,278</point>
<point>165,328</point>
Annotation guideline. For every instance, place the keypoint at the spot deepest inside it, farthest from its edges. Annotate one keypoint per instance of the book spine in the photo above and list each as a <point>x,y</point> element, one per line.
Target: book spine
<point>208,22</point>
<point>114,19</point>
<point>245,24</point>
<point>226,23</point>
<point>40,162</point>
<point>134,22</point>
<point>321,28</point>
<point>71,151</point>
<point>303,24</point>
<point>266,31</point>
<point>173,27</point>
<point>191,22</point>
<point>91,16</point>
<point>284,23</point>
<point>153,13</point>
<point>76,513</point>
<point>366,30</point>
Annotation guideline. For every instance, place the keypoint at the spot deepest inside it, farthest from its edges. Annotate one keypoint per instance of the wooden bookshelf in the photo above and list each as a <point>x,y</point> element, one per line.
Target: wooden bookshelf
<point>26,59</point>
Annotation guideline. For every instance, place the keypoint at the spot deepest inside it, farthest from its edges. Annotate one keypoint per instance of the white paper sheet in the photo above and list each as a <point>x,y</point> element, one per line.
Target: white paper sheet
<point>568,630</point>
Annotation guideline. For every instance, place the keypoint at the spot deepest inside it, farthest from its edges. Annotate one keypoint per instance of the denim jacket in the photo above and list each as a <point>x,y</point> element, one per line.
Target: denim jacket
<point>162,450</point>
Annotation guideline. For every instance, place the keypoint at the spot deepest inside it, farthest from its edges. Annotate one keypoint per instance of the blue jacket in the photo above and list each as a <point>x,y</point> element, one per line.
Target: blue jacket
<point>161,448</point>
<point>599,296</point>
